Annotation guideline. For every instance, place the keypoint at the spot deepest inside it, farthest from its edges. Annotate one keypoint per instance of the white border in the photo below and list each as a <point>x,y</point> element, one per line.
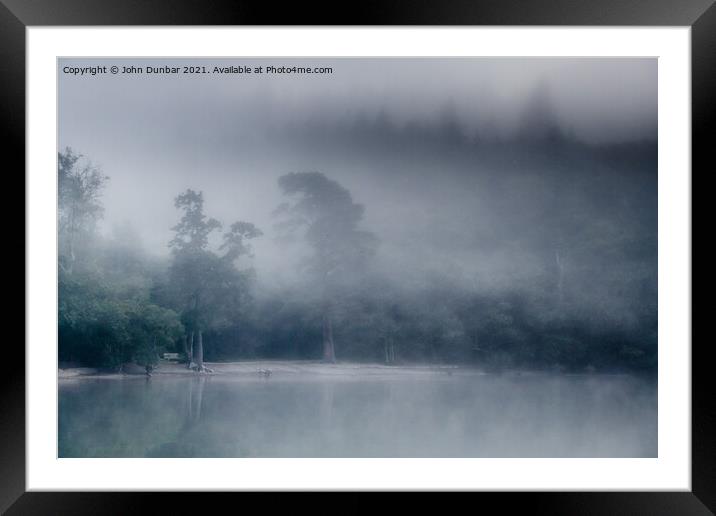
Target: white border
<point>671,470</point>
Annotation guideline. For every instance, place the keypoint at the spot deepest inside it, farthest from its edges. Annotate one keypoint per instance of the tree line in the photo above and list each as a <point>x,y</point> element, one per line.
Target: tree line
<point>118,305</point>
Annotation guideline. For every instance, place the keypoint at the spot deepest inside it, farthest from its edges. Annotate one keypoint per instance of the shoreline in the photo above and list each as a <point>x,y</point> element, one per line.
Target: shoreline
<point>259,367</point>
<point>315,368</point>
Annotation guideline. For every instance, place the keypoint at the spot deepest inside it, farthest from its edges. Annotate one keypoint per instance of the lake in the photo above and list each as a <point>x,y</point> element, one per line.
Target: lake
<point>427,414</point>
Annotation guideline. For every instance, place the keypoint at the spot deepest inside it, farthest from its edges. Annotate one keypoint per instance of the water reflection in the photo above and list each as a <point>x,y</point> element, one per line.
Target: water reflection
<point>195,395</point>
<point>295,416</point>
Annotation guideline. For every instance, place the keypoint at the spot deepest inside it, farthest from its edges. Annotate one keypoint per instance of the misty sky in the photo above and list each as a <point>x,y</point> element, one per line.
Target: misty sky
<point>156,135</point>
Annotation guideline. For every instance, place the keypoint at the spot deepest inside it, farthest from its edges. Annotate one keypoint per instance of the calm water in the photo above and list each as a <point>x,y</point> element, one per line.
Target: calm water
<point>463,415</point>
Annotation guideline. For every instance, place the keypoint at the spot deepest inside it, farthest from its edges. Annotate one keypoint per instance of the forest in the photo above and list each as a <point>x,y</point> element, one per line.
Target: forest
<point>580,217</point>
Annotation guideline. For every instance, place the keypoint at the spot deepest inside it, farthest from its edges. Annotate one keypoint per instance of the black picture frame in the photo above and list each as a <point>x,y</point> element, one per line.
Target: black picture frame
<point>16,15</point>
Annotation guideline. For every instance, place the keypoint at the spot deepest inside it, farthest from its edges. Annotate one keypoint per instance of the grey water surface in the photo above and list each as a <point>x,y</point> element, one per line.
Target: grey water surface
<point>429,415</point>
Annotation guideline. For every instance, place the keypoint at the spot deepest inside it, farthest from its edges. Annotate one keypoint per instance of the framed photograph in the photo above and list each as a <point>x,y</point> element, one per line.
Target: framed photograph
<point>427,248</point>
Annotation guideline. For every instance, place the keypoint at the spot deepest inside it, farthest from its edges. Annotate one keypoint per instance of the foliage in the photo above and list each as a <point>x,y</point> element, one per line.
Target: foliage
<point>326,212</point>
<point>105,314</point>
<point>99,327</point>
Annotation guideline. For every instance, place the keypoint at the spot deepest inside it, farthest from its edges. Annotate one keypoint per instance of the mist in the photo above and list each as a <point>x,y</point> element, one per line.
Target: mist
<point>424,144</point>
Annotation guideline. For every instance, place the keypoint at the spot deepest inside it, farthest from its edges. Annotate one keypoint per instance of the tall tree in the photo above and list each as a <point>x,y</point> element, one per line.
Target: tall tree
<point>325,211</point>
<point>208,285</point>
<point>80,185</point>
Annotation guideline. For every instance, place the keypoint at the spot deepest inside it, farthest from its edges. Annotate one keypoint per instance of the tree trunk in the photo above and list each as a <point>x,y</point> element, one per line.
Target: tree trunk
<point>199,351</point>
<point>389,352</point>
<point>329,354</point>
<point>71,266</point>
<point>560,278</point>
<point>71,241</point>
<point>189,347</point>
